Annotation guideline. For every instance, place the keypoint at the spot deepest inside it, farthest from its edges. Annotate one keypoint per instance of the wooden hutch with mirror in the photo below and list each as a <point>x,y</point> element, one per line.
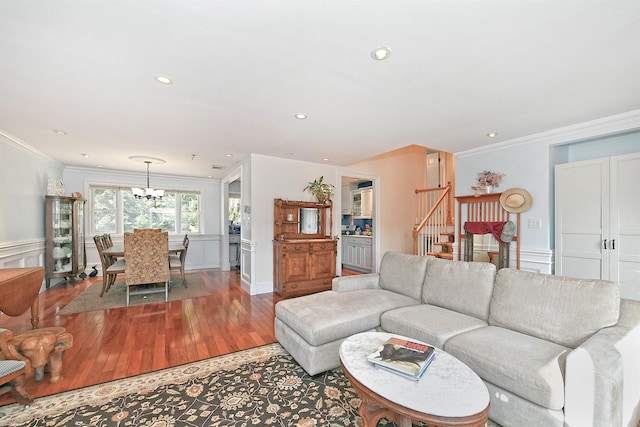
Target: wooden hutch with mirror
<point>304,254</point>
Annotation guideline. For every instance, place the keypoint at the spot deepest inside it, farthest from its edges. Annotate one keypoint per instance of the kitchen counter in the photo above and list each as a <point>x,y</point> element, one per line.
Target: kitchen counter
<point>357,235</point>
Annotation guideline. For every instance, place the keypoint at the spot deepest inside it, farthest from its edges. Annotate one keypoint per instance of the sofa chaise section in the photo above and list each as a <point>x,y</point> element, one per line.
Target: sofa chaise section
<point>311,328</point>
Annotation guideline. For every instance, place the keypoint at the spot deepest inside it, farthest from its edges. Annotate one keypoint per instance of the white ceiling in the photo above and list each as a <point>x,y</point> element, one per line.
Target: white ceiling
<point>243,68</point>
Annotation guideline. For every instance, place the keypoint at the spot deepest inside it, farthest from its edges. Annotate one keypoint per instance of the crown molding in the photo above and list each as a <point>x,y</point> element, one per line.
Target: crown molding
<point>605,126</point>
<point>12,140</point>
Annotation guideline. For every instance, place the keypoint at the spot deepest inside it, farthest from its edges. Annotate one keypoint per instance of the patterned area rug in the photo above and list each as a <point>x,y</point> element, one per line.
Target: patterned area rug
<point>261,387</point>
<point>90,299</point>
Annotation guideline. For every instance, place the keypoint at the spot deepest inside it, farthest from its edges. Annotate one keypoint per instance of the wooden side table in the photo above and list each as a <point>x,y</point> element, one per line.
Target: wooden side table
<point>19,290</point>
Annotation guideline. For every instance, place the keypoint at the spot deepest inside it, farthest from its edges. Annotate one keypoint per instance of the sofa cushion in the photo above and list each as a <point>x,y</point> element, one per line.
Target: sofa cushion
<point>530,367</point>
<point>563,310</point>
<point>329,316</point>
<point>465,287</point>
<point>428,323</point>
<point>403,274</point>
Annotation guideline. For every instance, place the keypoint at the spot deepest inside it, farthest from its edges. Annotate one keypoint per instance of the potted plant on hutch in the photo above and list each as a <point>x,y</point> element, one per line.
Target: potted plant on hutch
<point>321,190</point>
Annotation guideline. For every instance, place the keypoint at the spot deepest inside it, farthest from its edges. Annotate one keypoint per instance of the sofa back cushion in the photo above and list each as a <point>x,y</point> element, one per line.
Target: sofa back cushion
<point>465,287</point>
<point>560,309</point>
<point>403,273</point>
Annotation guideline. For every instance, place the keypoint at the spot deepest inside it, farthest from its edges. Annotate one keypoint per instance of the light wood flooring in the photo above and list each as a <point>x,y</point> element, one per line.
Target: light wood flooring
<point>117,343</point>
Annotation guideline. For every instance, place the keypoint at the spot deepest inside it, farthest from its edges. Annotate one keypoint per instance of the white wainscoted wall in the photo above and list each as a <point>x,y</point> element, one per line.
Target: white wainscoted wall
<point>24,174</point>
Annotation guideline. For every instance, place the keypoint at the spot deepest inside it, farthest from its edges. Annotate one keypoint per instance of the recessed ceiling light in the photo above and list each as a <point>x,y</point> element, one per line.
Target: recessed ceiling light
<point>59,132</point>
<point>492,134</point>
<point>164,79</point>
<point>325,159</point>
<point>228,155</point>
<point>381,53</point>
<point>85,155</point>
<point>98,166</point>
<point>301,116</point>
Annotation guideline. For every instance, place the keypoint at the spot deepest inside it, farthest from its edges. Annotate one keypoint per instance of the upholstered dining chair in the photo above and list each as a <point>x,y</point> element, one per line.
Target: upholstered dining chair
<point>176,262</point>
<point>111,266</point>
<point>147,262</point>
<point>13,370</point>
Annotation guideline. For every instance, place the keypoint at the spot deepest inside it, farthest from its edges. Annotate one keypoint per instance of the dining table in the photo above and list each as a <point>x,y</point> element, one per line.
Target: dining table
<point>117,250</point>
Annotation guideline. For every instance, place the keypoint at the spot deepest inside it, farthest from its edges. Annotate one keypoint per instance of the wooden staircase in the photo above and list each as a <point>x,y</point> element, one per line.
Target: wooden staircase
<point>446,246</point>
<point>434,235</point>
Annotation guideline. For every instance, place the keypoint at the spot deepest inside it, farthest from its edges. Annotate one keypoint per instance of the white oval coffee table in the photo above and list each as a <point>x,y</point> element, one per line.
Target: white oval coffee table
<point>448,394</point>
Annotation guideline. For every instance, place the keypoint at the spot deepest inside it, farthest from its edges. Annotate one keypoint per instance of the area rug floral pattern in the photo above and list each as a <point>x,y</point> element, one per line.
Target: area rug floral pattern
<point>259,387</point>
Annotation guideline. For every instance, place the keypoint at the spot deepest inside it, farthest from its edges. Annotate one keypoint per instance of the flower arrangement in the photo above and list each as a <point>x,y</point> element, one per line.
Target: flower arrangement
<point>489,179</point>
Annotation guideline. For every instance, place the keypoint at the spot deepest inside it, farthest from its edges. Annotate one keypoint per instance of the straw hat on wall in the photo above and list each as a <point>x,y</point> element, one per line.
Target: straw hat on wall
<point>516,200</point>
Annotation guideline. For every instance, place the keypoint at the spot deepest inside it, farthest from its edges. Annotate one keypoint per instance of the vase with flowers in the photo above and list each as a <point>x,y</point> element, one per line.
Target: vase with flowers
<point>488,180</point>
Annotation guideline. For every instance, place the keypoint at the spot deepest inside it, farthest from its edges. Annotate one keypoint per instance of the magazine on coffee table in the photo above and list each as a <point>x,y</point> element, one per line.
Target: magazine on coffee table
<point>404,357</point>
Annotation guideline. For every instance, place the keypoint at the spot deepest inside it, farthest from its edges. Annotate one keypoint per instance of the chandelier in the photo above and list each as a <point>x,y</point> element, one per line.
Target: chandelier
<point>147,192</point>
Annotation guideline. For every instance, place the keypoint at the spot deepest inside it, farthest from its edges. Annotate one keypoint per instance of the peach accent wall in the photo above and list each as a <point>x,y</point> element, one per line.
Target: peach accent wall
<point>401,172</point>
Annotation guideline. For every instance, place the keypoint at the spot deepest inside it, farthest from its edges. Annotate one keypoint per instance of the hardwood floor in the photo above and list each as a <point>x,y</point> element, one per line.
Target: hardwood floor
<point>117,343</point>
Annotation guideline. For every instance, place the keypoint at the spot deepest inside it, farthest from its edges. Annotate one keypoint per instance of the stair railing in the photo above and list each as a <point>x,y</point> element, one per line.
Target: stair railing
<point>432,220</point>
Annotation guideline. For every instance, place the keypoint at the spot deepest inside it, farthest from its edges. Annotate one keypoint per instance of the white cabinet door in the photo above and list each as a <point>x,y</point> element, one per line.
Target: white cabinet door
<point>362,204</point>
<point>597,221</point>
<point>579,218</point>
<point>368,257</point>
<point>346,200</point>
<point>367,203</point>
<point>625,224</point>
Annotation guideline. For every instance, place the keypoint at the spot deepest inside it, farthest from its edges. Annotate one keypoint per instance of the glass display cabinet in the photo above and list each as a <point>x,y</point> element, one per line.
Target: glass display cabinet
<point>64,246</point>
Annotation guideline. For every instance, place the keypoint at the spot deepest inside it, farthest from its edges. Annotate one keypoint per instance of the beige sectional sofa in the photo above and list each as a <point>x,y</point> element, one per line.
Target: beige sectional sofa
<point>552,350</point>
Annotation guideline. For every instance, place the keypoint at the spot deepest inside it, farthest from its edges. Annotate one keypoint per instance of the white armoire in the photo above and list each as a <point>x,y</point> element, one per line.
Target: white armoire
<point>597,221</point>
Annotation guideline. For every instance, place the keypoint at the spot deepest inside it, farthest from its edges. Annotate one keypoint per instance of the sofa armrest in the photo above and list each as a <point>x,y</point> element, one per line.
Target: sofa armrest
<point>355,282</point>
<point>603,374</point>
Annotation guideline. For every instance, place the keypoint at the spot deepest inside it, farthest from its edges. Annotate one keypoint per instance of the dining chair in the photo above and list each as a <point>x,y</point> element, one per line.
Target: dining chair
<point>13,371</point>
<point>111,266</point>
<point>147,263</point>
<point>177,262</point>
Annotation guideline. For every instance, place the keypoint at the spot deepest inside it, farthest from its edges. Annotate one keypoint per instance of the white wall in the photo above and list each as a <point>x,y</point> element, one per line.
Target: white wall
<point>23,185</point>
<point>273,178</point>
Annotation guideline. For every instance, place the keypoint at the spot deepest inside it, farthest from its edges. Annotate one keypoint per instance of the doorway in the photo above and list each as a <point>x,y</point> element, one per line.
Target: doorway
<point>357,215</point>
<point>231,219</point>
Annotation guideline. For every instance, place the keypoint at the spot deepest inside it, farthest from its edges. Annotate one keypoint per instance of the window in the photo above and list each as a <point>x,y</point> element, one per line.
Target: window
<point>234,210</point>
<point>116,210</point>
<point>104,210</point>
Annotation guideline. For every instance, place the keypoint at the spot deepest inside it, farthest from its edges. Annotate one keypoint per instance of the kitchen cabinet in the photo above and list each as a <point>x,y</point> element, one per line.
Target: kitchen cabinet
<point>362,203</point>
<point>357,253</point>
<point>597,221</point>
<point>234,250</point>
<point>346,200</point>
<point>304,254</point>
<point>64,237</point>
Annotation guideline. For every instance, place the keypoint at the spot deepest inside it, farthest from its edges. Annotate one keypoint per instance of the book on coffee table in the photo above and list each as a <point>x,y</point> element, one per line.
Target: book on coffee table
<point>400,356</point>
